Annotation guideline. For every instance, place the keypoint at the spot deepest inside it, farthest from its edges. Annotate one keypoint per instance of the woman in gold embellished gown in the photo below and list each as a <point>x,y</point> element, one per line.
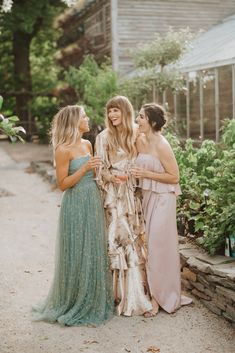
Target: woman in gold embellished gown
<point>116,147</point>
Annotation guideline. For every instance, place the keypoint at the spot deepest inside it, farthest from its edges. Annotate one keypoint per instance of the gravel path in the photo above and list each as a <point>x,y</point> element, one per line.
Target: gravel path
<point>28,217</point>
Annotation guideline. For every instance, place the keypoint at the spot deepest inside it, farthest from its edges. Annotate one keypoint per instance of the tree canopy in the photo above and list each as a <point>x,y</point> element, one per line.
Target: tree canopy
<point>29,46</point>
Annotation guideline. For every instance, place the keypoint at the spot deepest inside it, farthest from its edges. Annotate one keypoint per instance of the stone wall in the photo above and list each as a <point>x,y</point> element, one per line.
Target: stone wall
<point>210,278</point>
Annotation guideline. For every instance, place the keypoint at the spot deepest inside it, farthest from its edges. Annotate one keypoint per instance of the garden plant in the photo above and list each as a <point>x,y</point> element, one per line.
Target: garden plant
<point>206,206</point>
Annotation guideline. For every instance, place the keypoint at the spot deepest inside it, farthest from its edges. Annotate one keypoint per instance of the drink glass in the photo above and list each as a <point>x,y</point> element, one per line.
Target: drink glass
<point>135,181</point>
<point>98,170</point>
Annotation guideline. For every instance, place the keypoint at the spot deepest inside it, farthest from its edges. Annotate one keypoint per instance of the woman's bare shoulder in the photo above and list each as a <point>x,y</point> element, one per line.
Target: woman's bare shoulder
<point>86,142</point>
<point>88,145</point>
<point>140,142</point>
<point>62,152</point>
<point>164,147</point>
<point>62,149</point>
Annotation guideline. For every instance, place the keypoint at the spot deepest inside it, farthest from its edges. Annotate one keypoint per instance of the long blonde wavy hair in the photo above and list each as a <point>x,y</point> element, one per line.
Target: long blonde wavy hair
<point>125,138</point>
<point>65,126</point>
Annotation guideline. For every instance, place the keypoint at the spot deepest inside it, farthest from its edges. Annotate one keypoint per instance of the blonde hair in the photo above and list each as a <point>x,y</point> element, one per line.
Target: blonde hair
<point>65,126</point>
<point>127,136</point>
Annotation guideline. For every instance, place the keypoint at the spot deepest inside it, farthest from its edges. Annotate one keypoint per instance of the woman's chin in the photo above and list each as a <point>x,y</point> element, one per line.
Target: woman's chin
<point>116,124</point>
<point>84,131</point>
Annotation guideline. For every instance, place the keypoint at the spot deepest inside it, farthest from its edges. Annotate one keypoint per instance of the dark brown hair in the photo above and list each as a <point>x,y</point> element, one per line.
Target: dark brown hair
<point>156,115</point>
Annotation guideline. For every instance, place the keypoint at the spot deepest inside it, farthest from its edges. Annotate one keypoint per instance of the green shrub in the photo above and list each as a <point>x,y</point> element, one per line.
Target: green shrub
<point>8,126</point>
<point>208,188</point>
<point>44,108</point>
<point>94,86</point>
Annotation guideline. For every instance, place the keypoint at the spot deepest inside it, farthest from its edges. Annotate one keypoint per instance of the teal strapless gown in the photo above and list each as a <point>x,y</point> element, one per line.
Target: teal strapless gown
<point>81,292</point>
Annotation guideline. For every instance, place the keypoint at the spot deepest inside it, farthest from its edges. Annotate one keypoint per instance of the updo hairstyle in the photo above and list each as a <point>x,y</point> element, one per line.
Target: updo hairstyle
<point>156,115</point>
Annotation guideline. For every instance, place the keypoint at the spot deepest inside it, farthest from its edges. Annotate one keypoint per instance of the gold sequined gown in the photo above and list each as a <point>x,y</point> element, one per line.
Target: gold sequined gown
<point>125,223</point>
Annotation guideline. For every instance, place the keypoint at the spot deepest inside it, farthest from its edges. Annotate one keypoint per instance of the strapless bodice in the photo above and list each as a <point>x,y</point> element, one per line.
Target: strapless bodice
<point>76,164</point>
<point>152,163</point>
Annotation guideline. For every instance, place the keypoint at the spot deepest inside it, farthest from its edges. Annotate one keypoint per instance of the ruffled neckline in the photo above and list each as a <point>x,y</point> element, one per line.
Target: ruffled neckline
<point>150,184</point>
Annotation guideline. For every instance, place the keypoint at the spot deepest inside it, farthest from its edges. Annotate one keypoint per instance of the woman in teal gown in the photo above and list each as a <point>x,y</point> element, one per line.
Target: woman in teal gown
<point>81,292</point>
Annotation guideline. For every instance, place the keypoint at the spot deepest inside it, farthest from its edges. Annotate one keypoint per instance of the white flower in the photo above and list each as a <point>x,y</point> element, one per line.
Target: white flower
<point>19,128</point>
<point>69,2</point>
<point>7,5</point>
<point>206,192</point>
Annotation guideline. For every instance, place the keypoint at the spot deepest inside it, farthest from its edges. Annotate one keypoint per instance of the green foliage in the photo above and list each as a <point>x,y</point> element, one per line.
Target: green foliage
<point>154,66</point>
<point>44,108</point>
<point>44,69</point>
<point>94,85</point>
<point>6,5</point>
<point>6,60</point>
<point>36,19</point>
<point>8,126</point>
<point>208,187</point>
<point>24,15</point>
<point>164,50</point>
<point>137,89</point>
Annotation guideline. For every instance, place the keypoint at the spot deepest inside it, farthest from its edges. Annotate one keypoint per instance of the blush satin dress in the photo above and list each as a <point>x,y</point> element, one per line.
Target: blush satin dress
<point>163,262</point>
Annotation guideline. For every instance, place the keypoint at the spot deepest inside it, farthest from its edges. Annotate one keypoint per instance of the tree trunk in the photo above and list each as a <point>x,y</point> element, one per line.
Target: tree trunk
<point>23,82</point>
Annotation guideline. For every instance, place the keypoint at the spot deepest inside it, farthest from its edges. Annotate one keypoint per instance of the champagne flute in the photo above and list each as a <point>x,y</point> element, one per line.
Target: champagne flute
<point>97,170</point>
<point>135,181</point>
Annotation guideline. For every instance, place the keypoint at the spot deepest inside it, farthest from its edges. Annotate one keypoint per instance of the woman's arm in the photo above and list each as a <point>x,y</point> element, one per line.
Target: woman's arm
<point>62,158</point>
<point>167,158</point>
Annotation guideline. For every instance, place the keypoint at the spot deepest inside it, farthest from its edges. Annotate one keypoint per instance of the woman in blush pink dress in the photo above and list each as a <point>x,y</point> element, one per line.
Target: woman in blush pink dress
<point>158,174</point>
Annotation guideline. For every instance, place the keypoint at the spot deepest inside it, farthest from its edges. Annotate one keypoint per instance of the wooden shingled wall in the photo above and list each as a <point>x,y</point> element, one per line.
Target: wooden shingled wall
<point>138,20</point>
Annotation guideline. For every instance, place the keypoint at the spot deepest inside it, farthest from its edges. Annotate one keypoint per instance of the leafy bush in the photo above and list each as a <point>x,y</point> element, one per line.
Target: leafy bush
<point>208,188</point>
<point>164,50</point>
<point>94,86</point>
<point>8,126</point>
<point>44,108</point>
<point>154,62</point>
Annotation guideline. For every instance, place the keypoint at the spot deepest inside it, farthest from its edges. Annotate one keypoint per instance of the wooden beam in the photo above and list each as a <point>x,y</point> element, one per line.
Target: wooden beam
<point>188,107</point>
<point>114,29</point>
<point>175,110</point>
<point>217,118</point>
<point>205,66</point>
<point>154,91</point>
<point>201,103</point>
<point>233,89</point>
<point>164,98</point>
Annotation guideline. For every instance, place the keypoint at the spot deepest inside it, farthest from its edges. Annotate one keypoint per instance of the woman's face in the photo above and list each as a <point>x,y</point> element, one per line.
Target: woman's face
<point>115,116</point>
<point>142,121</point>
<point>84,122</point>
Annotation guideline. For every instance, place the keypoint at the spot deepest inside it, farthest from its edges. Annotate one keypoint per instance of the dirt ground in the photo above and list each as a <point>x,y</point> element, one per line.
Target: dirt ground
<point>28,218</point>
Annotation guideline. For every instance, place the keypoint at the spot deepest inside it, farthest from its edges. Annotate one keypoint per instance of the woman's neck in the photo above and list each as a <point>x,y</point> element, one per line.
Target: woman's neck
<point>119,128</point>
<point>152,135</point>
<point>79,140</point>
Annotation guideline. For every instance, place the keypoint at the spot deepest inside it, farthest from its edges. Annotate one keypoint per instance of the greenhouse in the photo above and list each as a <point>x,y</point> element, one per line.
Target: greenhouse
<point>210,78</point>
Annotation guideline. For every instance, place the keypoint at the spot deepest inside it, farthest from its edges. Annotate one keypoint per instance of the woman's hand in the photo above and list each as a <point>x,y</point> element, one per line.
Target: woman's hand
<point>92,163</point>
<point>138,172</point>
<point>119,179</point>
